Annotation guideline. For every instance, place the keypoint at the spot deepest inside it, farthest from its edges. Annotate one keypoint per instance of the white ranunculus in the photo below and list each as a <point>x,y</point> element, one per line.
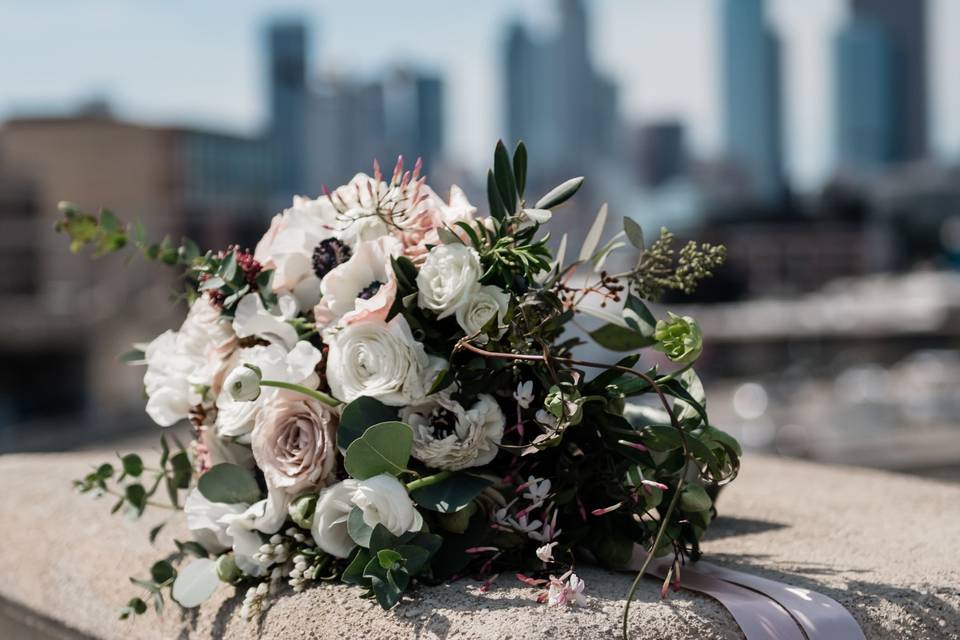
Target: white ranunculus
<point>486,303</point>
<point>265,516</point>
<point>288,247</point>
<point>253,319</point>
<point>236,419</point>
<point>448,278</point>
<point>365,284</point>
<point>448,436</point>
<point>180,364</point>
<point>295,443</point>
<point>203,520</point>
<point>380,360</point>
<point>243,384</point>
<point>384,500</point>
<point>329,527</point>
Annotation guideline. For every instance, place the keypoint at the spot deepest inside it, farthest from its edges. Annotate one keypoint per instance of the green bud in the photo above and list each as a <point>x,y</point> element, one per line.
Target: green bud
<point>302,509</point>
<point>679,338</point>
<point>227,569</point>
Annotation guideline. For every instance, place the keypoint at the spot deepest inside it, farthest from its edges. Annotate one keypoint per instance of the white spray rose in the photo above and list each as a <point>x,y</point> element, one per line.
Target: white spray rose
<point>448,278</point>
<point>295,443</point>
<point>252,319</point>
<point>203,520</point>
<point>181,362</point>
<point>448,436</point>
<point>329,527</point>
<point>380,360</point>
<point>486,303</point>
<point>383,500</point>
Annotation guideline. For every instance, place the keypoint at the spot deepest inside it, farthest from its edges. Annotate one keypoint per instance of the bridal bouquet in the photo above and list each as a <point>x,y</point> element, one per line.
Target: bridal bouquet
<point>385,392</point>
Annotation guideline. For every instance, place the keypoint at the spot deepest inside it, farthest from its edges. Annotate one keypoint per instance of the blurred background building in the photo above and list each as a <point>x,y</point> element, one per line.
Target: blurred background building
<point>832,330</point>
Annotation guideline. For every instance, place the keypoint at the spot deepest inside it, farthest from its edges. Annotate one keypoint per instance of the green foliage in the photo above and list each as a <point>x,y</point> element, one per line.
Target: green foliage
<point>659,269</point>
<point>383,448</point>
<point>359,415</point>
<point>560,194</point>
<point>230,484</point>
<point>451,494</point>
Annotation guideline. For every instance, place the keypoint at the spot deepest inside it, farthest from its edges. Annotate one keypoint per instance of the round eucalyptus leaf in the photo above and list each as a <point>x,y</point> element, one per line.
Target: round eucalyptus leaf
<point>383,448</point>
<point>229,484</point>
<point>195,583</point>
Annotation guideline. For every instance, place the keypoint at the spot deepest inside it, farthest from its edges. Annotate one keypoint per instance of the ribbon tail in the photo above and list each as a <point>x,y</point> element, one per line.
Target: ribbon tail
<point>821,618</point>
<point>758,616</point>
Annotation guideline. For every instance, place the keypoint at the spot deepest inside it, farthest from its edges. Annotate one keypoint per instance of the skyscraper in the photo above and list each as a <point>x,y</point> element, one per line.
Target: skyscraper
<point>752,109</point>
<point>556,100</point>
<point>903,23</point>
<point>287,43</point>
<point>863,95</point>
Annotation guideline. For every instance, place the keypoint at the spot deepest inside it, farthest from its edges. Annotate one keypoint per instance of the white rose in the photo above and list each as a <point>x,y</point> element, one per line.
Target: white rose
<point>486,303</point>
<point>290,244</point>
<point>203,520</point>
<point>384,500</point>
<point>380,360</point>
<point>447,436</point>
<point>448,278</point>
<point>181,362</point>
<point>295,443</point>
<point>329,527</point>
<point>236,419</point>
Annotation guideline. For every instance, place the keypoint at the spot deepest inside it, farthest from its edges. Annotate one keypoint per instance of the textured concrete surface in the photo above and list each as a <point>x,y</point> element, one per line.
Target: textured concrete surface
<point>883,545</point>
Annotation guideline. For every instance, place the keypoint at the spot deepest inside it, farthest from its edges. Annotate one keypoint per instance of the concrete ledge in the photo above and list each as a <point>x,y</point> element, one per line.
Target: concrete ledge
<point>883,545</point>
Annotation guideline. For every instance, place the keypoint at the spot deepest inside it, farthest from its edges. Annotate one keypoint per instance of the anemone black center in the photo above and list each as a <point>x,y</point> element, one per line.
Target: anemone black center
<point>444,423</point>
<point>370,290</point>
<point>328,254</point>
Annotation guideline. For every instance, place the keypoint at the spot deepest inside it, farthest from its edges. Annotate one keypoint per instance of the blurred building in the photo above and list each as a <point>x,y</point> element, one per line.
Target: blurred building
<point>325,129</point>
<point>287,50</point>
<point>752,104</point>
<point>556,99</point>
<point>880,84</point>
<point>661,155</point>
<point>66,318</point>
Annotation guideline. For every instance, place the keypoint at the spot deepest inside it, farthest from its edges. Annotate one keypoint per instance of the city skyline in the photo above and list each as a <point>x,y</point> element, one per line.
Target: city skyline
<point>472,123</point>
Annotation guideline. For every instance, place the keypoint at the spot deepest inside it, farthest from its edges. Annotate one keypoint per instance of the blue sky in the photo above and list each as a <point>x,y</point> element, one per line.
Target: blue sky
<point>201,62</point>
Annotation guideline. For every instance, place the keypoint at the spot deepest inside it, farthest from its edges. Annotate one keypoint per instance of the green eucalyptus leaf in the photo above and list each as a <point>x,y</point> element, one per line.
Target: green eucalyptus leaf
<point>353,574</point>
<point>162,572</point>
<point>383,448</point>
<point>136,496</point>
<point>230,484</point>
<point>617,338</point>
<point>195,583</point>
<point>389,559</point>
<point>358,530</point>
<point>450,494</point>
<point>132,465</point>
<point>360,415</point>
<point>634,232</point>
<point>415,557</point>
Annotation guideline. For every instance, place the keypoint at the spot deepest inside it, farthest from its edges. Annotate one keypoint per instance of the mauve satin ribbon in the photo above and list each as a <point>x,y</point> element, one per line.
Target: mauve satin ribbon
<point>764,609</point>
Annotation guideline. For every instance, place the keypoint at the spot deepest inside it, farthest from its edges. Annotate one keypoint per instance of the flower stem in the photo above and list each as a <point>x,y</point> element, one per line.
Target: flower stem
<point>312,393</point>
<point>429,480</point>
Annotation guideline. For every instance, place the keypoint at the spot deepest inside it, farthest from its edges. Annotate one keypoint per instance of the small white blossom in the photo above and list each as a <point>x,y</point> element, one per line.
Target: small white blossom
<point>523,525</point>
<point>537,490</point>
<point>243,384</point>
<point>545,553</point>
<point>524,394</point>
<point>565,590</point>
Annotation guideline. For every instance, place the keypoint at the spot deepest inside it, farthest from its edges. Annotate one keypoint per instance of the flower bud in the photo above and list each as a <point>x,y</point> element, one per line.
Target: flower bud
<point>227,569</point>
<point>302,510</point>
<point>243,383</point>
<point>679,338</point>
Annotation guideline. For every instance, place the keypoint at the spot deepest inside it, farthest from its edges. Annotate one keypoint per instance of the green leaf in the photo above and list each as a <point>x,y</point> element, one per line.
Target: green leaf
<point>503,173</point>
<point>416,557</point>
<point>520,167</point>
<point>191,548</point>
<point>592,239</point>
<point>137,606</point>
<point>136,496</point>
<point>358,530</point>
<point>381,538</point>
<point>383,448</point>
<point>230,484</point>
<point>162,572</point>
<point>134,356</point>
<point>497,209</point>
<point>353,574</point>
<point>450,494</point>
<point>195,583</point>
<point>360,415</point>
<point>182,469</point>
<point>154,532</point>
<point>662,437</point>
<point>389,559</point>
<point>560,194</point>
<point>617,338</point>
<point>132,465</point>
<point>638,316</point>
<point>634,232</point>
<point>104,471</point>
<point>694,498</point>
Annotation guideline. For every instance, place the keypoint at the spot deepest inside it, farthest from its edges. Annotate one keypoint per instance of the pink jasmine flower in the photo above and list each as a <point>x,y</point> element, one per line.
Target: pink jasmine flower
<point>548,532</point>
<point>537,490</point>
<point>545,553</point>
<point>522,525</point>
<point>524,394</point>
<point>565,590</point>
